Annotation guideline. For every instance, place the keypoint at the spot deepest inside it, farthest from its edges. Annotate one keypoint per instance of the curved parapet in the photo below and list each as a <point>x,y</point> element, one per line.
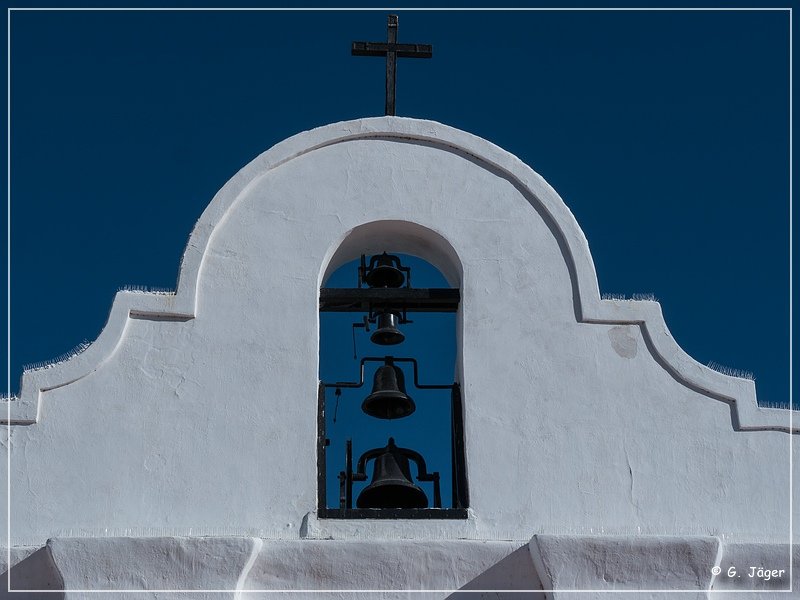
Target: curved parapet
<point>24,410</point>
<point>739,393</point>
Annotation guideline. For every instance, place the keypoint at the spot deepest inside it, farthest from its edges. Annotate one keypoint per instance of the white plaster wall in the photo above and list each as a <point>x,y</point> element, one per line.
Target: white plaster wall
<point>201,417</point>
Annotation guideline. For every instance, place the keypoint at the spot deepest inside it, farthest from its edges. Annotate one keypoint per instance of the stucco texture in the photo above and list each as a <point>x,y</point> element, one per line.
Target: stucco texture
<point>195,413</point>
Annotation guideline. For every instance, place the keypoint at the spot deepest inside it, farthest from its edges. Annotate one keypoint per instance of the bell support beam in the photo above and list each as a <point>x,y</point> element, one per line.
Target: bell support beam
<point>388,360</point>
<point>408,299</point>
<point>393,513</point>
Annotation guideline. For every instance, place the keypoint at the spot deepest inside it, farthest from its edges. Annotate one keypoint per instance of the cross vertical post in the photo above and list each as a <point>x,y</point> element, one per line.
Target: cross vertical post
<point>391,64</point>
<point>391,50</point>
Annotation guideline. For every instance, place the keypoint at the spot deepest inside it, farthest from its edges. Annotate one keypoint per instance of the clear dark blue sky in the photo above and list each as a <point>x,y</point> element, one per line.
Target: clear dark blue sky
<point>666,133</point>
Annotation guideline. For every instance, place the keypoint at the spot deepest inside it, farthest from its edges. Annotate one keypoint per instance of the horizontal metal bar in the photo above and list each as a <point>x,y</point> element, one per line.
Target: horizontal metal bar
<point>393,513</point>
<point>409,299</point>
<point>381,48</point>
<point>388,360</point>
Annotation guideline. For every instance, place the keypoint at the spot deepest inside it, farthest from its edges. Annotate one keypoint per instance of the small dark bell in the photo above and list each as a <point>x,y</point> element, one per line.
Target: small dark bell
<point>384,274</point>
<point>391,485</point>
<point>387,333</point>
<point>388,399</point>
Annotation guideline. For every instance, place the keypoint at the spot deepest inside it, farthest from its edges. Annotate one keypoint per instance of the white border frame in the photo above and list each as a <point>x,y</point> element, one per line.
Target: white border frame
<point>613,311</point>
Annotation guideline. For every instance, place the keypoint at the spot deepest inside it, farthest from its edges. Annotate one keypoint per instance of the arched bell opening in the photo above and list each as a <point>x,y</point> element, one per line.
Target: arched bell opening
<point>390,424</point>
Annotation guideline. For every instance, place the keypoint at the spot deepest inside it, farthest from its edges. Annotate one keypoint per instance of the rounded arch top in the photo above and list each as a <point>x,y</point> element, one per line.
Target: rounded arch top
<point>542,197</point>
<point>406,238</point>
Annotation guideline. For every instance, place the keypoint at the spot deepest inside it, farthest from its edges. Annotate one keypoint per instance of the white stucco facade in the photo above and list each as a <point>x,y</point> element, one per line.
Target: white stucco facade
<point>599,455</point>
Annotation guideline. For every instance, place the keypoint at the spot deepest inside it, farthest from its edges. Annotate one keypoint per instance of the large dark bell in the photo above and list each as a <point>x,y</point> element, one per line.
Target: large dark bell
<point>388,399</point>
<point>384,274</point>
<point>387,333</point>
<point>391,485</point>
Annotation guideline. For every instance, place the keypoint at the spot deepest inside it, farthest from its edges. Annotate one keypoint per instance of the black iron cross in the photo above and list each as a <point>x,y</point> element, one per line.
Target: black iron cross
<point>391,49</point>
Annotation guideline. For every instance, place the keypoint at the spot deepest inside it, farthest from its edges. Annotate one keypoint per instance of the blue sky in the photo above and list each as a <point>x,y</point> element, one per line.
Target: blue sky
<point>666,133</point>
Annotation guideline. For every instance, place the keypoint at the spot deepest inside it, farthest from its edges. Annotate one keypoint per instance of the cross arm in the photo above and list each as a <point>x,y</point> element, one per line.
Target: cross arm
<point>402,50</point>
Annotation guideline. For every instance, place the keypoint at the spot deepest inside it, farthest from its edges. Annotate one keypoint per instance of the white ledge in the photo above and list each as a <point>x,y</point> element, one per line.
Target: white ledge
<point>560,565</point>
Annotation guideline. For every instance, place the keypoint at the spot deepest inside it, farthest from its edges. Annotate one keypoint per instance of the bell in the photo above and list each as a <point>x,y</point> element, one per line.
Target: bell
<point>388,399</point>
<point>387,333</point>
<point>384,274</point>
<point>391,485</point>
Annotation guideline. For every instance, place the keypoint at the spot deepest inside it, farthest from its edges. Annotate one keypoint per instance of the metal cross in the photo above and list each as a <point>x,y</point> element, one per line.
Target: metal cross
<point>392,50</point>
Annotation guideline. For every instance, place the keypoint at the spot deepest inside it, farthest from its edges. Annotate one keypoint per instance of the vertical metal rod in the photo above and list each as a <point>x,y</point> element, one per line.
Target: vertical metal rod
<point>342,488</point>
<point>362,270</point>
<point>461,467</point>
<point>453,462</point>
<point>321,439</point>
<point>391,65</point>
<point>348,467</point>
<point>437,494</point>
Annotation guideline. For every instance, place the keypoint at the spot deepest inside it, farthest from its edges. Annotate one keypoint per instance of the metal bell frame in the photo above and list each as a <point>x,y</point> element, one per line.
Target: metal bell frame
<point>460,493</point>
<point>348,476</point>
<point>388,360</point>
<point>376,299</point>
